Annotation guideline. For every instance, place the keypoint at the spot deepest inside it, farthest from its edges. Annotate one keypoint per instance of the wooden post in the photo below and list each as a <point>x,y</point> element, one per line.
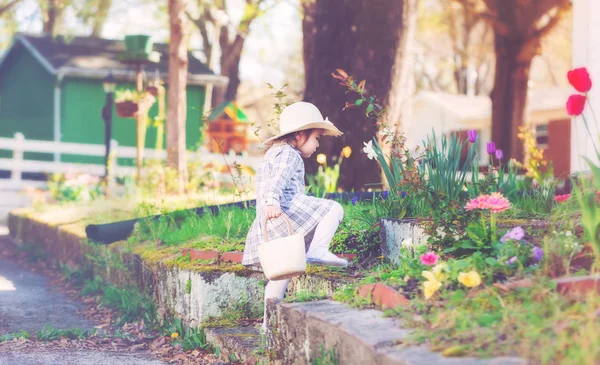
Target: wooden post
<point>140,124</point>
<point>112,168</point>
<point>18,149</point>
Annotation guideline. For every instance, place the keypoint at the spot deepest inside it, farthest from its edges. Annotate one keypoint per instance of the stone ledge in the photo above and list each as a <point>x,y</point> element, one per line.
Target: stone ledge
<point>193,294</point>
<point>243,342</point>
<point>298,330</point>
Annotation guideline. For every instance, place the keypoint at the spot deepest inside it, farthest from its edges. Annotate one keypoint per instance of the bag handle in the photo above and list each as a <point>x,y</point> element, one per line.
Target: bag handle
<point>287,221</point>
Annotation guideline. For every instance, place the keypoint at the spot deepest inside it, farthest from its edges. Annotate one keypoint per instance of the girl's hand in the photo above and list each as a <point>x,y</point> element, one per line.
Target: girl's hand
<point>272,211</point>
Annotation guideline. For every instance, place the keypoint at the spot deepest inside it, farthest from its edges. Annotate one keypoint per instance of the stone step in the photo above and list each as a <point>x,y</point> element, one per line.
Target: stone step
<point>300,332</point>
<point>243,342</point>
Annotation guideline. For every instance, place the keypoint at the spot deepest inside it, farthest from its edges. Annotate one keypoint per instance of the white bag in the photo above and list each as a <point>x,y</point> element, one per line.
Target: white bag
<point>284,257</point>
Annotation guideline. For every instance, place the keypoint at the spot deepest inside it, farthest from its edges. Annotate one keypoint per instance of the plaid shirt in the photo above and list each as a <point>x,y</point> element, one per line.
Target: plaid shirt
<point>280,182</point>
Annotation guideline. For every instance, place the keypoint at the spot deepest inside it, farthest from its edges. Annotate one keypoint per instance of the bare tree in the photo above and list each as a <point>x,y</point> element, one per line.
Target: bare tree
<point>221,36</point>
<point>6,6</point>
<point>94,13</point>
<point>176,108</point>
<point>519,27</point>
<point>52,15</point>
<point>457,43</point>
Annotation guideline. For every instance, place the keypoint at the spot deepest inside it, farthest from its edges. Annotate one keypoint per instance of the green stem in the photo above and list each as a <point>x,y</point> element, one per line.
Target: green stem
<point>590,133</point>
<point>593,114</point>
<point>493,217</point>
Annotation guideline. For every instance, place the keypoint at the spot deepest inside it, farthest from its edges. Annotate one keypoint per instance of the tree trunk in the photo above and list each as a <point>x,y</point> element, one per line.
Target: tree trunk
<point>399,110</point>
<point>509,96</point>
<point>6,7</point>
<point>176,108</point>
<point>230,64</point>
<point>99,20</point>
<point>360,37</point>
<point>52,13</point>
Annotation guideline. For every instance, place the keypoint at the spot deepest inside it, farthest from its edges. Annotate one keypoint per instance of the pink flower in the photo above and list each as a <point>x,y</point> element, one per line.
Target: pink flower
<point>476,203</point>
<point>561,198</point>
<point>429,259</point>
<point>495,202</point>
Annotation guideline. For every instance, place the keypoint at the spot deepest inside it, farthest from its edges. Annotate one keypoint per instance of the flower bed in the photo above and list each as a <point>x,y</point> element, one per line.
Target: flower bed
<point>495,260</point>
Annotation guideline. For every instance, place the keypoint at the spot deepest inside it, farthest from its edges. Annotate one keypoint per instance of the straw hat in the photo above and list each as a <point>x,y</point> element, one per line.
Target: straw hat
<point>301,116</point>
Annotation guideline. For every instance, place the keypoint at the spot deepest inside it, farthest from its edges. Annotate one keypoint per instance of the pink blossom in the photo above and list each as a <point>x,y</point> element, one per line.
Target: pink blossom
<point>494,202</point>
<point>561,198</point>
<point>429,259</point>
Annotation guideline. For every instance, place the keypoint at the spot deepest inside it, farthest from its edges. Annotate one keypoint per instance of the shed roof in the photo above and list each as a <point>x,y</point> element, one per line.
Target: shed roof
<point>479,107</point>
<point>93,57</point>
<point>231,109</point>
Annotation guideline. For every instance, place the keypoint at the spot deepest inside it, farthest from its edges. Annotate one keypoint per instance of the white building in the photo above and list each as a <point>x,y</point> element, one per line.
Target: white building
<point>586,53</point>
<point>449,113</point>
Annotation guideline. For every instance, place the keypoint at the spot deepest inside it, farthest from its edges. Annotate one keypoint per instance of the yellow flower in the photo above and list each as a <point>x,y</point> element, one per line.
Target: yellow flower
<point>429,276</point>
<point>469,279</point>
<point>347,151</point>
<point>321,159</point>
<point>430,287</point>
<point>439,271</point>
<point>174,335</point>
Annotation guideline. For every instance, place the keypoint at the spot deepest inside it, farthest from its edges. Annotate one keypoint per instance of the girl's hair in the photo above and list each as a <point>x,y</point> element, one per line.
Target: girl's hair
<point>291,138</point>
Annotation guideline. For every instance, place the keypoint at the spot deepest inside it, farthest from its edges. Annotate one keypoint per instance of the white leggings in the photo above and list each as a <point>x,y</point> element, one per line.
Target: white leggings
<point>323,235</point>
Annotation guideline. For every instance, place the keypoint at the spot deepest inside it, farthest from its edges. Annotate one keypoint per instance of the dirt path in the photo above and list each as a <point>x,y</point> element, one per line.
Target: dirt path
<point>29,301</point>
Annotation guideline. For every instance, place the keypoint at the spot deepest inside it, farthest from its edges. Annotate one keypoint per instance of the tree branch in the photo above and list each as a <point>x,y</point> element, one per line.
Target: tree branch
<point>7,7</point>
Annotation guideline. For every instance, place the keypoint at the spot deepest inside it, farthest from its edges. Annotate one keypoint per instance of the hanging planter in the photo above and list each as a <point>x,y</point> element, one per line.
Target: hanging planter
<point>130,103</point>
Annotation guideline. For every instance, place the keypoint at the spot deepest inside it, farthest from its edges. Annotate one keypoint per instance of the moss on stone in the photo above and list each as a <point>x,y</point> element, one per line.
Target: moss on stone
<point>325,272</point>
<point>220,322</point>
<point>153,255</point>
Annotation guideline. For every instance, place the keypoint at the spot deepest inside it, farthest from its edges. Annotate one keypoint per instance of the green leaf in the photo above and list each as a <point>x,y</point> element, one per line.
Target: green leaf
<point>370,109</point>
<point>358,102</point>
<point>491,261</point>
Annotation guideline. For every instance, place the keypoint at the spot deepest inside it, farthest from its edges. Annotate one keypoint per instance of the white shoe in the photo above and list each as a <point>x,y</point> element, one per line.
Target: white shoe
<point>327,259</point>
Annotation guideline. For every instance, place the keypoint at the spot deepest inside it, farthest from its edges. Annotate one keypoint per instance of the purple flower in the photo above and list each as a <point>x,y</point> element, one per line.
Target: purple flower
<point>491,148</point>
<point>512,260</point>
<point>516,234</point>
<point>538,253</point>
<point>403,194</point>
<point>385,194</point>
<point>499,154</point>
<point>354,200</point>
<point>472,135</point>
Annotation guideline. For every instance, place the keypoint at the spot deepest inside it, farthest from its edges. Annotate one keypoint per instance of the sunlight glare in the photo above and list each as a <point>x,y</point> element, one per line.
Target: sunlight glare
<point>6,285</point>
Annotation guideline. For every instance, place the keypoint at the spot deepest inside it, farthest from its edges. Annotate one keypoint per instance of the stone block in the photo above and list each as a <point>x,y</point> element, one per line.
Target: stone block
<point>383,295</point>
<point>196,254</point>
<point>233,256</point>
<point>578,285</point>
<point>396,233</point>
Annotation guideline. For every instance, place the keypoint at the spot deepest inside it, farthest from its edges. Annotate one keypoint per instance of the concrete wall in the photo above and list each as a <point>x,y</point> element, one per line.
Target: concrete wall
<point>586,52</point>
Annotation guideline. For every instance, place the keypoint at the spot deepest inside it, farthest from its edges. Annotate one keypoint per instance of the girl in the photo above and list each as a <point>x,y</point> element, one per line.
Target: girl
<point>280,189</point>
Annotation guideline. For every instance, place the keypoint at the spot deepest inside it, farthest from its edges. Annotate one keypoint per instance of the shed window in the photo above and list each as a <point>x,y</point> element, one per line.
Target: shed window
<point>541,136</point>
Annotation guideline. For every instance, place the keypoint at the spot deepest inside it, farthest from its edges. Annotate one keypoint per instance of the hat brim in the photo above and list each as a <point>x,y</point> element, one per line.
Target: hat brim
<point>328,128</point>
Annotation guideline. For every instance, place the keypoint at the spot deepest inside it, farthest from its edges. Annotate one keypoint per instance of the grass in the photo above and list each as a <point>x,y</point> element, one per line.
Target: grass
<point>326,357</point>
<point>243,309</point>
<point>16,335</point>
<point>47,333</point>
<point>224,232</point>
<point>305,296</point>
<point>130,303</point>
<point>534,323</point>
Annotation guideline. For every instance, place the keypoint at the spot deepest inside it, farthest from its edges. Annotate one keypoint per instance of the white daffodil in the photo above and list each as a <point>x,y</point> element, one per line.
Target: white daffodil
<point>368,149</point>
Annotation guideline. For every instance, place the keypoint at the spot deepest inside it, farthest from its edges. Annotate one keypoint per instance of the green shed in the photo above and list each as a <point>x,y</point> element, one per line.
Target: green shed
<point>51,89</point>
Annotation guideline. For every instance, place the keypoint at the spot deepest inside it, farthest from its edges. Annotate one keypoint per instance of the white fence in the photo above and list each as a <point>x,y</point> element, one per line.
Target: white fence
<point>19,145</point>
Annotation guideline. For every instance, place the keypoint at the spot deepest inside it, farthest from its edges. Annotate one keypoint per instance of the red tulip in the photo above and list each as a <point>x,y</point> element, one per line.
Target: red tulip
<point>575,104</point>
<point>580,79</point>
